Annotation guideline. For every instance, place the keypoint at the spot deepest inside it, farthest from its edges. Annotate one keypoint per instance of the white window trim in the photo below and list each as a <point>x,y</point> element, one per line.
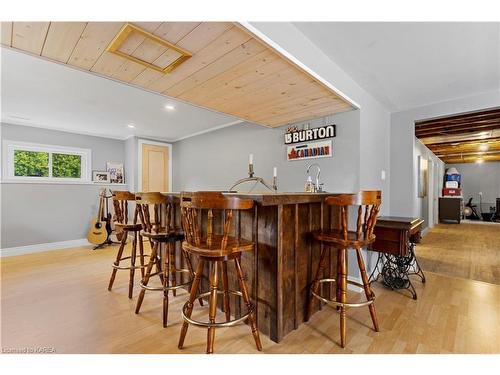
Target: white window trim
<point>141,142</point>
<point>9,146</point>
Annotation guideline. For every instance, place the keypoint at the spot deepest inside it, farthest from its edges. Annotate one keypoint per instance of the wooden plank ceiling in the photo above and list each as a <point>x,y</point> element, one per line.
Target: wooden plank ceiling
<point>230,71</point>
<point>463,138</point>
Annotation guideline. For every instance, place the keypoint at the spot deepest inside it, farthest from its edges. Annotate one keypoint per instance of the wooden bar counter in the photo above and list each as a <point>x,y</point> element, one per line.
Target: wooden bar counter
<point>279,271</point>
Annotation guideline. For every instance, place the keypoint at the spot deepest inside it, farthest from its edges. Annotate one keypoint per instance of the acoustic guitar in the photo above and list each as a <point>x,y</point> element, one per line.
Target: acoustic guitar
<point>98,233</point>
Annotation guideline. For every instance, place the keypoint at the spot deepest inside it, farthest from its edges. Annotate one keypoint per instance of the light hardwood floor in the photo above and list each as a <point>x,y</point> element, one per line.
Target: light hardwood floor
<point>59,299</point>
<point>470,251</point>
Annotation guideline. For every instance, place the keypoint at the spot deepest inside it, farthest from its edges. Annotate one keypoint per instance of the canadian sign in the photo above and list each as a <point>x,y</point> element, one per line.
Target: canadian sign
<point>311,150</point>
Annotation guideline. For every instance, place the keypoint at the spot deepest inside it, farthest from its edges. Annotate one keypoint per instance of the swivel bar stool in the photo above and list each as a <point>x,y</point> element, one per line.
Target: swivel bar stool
<point>217,249</point>
<point>163,235</point>
<point>341,240</point>
<point>123,228</point>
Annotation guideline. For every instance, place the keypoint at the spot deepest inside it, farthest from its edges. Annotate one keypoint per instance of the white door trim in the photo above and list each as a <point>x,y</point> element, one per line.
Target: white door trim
<point>139,161</point>
<point>430,193</point>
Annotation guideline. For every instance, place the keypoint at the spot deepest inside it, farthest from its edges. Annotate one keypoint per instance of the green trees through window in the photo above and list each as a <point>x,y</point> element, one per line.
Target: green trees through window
<point>36,164</point>
<point>66,165</point>
<point>31,163</point>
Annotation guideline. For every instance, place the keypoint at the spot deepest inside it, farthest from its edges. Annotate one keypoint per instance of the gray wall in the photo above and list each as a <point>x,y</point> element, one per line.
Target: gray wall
<point>131,163</point>
<point>478,178</point>
<point>375,152</point>
<point>41,213</point>
<point>215,160</point>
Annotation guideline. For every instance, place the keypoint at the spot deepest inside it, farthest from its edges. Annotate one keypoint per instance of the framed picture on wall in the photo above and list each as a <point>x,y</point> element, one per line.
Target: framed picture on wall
<point>115,172</point>
<point>101,177</point>
<point>423,175</point>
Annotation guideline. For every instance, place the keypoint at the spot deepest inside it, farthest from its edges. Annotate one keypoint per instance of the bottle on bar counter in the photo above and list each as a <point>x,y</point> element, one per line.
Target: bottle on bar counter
<point>309,188</point>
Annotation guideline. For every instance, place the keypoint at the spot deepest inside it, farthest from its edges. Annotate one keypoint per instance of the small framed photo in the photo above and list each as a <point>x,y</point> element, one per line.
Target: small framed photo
<point>115,172</point>
<point>100,177</point>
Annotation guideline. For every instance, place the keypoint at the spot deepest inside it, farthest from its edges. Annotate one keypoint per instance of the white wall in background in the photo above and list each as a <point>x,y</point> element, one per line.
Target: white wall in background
<point>478,178</point>
<point>37,213</point>
<point>215,160</point>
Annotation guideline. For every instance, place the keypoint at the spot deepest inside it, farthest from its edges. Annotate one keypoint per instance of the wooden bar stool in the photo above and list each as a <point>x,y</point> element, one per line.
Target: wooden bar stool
<point>150,207</point>
<point>217,249</point>
<point>123,227</point>
<point>342,240</point>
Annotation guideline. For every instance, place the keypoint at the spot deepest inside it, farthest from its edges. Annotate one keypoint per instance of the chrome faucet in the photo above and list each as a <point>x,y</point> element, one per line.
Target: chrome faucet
<point>317,187</point>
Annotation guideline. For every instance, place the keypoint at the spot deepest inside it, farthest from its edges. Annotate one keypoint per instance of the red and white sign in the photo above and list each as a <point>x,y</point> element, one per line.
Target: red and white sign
<point>311,150</point>
<point>452,192</point>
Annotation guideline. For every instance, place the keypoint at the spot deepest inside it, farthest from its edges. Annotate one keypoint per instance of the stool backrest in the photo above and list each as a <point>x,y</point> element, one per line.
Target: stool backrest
<point>194,204</point>
<point>149,208</point>
<point>366,221</point>
<point>120,204</point>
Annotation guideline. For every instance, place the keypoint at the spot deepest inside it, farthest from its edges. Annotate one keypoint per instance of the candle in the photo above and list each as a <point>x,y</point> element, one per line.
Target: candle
<point>250,159</point>
<point>275,172</point>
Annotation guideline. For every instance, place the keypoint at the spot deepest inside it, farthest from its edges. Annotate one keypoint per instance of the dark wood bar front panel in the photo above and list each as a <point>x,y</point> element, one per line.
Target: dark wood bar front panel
<point>279,271</point>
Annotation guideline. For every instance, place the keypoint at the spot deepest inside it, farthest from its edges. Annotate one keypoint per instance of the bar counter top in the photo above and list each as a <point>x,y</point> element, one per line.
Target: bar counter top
<point>276,199</point>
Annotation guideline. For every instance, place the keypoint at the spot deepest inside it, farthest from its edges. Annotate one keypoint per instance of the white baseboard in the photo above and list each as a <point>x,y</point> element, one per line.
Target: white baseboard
<point>38,248</point>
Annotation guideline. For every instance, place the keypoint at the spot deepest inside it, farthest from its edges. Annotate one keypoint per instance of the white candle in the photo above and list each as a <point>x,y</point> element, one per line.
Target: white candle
<point>275,172</point>
<point>250,159</point>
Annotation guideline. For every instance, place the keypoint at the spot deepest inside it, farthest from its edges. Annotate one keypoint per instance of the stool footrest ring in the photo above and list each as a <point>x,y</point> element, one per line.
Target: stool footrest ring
<point>346,304</point>
<point>117,267</point>
<point>161,288</point>
<point>215,325</point>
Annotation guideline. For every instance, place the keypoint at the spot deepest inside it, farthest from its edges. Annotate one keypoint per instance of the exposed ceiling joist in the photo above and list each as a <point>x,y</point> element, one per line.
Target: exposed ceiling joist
<point>466,128</point>
<point>454,124</point>
<point>463,123</point>
<point>470,159</point>
<point>478,154</point>
<point>465,146</point>
<point>460,137</point>
<point>477,115</point>
<point>463,138</point>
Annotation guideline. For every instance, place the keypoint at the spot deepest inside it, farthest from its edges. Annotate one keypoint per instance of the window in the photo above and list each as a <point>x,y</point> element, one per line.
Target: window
<point>32,162</point>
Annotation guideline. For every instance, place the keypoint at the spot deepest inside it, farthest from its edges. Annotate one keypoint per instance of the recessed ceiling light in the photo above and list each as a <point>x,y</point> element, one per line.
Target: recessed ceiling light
<point>131,126</point>
<point>479,161</point>
<point>484,147</point>
<point>169,107</point>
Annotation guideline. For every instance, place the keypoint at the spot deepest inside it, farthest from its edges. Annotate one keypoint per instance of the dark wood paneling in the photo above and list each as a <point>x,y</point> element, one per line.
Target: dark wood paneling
<point>302,264</point>
<point>286,269</point>
<point>267,230</point>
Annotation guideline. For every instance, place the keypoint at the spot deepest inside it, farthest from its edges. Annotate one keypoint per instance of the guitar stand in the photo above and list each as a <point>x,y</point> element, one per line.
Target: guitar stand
<point>108,239</point>
<point>105,243</point>
<point>395,271</point>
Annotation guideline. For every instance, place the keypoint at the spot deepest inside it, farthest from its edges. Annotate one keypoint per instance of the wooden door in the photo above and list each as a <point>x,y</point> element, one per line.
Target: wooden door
<point>155,167</point>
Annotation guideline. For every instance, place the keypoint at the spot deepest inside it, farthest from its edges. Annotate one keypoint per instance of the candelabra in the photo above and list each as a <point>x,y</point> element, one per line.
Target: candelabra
<point>256,179</point>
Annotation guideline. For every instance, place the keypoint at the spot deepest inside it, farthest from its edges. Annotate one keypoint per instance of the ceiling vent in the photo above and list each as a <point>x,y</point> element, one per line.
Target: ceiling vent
<point>173,55</point>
